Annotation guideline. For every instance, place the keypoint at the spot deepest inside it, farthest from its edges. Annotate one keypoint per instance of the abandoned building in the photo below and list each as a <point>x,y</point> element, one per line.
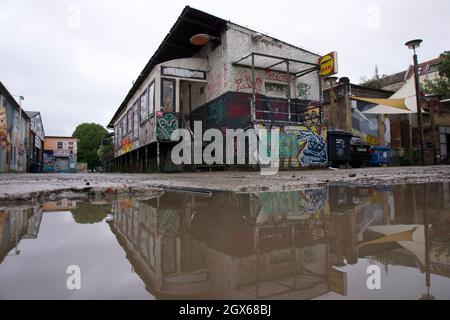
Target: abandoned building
<point>228,77</point>
<point>400,132</point>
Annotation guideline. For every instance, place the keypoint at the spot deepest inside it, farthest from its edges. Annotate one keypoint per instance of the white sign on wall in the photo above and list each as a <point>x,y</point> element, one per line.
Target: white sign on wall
<point>184,73</point>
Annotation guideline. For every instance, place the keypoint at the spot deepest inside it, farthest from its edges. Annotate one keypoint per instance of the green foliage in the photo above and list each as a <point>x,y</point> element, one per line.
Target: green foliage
<point>87,213</point>
<point>440,86</point>
<point>105,149</point>
<point>372,83</point>
<point>444,66</point>
<point>375,82</point>
<point>90,136</point>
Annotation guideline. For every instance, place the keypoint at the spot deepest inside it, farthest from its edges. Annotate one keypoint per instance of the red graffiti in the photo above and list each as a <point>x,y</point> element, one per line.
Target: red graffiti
<point>215,84</point>
<point>247,83</point>
<point>225,76</point>
<point>238,110</point>
<point>276,76</point>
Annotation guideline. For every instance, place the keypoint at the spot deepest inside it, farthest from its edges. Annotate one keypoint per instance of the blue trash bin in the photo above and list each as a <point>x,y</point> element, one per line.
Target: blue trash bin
<point>380,156</point>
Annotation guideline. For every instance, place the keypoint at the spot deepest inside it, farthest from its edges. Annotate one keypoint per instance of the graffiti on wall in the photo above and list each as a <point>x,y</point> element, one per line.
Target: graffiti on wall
<point>126,145</point>
<point>49,161</point>
<point>277,76</point>
<point>217,112</point>
<point>214,84</point>
<point>166,123</point>
<point>147,132</point>
<point>303,91</point>
<point>369,126</point>
<point>291,205</point>
<point>313,149</point>
<point>244,82</point>
<point>303,148</point>
<point>312,114</point>
<point>276,88</point>
<point>5,139</point>
<point>13,138</point>
<point>229,111</point>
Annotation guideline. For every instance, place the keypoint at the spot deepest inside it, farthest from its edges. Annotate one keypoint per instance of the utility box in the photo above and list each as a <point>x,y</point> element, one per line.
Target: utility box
<point>338,146</point>
<point>380,156</point>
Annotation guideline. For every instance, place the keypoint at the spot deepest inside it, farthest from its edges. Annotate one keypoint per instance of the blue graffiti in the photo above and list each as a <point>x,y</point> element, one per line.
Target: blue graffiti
<point>313,149</point>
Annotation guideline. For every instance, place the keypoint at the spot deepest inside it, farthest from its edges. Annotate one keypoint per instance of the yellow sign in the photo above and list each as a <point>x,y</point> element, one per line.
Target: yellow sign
<point>337,281</point>
<point>328,64</point>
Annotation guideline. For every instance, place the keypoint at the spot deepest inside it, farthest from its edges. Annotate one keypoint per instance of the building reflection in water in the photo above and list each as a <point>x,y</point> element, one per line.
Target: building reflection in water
<point>17,224</point>
<point>280,245</point>
<point>291,245</point>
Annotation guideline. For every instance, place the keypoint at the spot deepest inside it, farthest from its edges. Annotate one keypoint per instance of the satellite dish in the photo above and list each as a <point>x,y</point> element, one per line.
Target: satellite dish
<point>201,39</point>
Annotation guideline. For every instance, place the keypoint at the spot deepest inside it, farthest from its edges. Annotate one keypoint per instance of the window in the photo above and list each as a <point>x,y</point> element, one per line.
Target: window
<point>143,106</point>
<point>130,120</point>
<point>168,95</point>
<point>124,126</point>
<point>135,121</point>
<point>151,98</point>
<point>433,67</point>
<point>60,145</point>
<point>119,133</point>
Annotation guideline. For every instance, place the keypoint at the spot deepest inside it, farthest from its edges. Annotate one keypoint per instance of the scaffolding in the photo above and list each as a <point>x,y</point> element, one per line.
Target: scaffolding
<point>294,112</point>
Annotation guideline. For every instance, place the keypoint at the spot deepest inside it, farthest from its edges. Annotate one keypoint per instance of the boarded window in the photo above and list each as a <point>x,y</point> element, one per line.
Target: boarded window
<point>130,120</point>
<point>135,122</point>
<point>144,106</point>
<point>124,126</point>
<point>151,98</point>
<point>168,95</point>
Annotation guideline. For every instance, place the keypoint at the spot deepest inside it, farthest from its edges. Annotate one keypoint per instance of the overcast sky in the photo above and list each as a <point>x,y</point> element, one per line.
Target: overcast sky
<point>74,61</point>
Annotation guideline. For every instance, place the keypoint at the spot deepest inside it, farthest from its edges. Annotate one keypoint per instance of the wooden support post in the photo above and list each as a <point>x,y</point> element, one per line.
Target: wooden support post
<point>158,160</point>
<point>146,159</point>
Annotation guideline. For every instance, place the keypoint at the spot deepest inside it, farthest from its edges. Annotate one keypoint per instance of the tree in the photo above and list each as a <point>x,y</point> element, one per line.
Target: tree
<point>375,82</point>
<point>105,148</point>
<point>90,136</point>
<point>440,86</point>
<point>87,213</point>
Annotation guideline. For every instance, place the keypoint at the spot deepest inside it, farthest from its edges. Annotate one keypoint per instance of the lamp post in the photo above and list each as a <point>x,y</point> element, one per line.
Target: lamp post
<point>414,44</point>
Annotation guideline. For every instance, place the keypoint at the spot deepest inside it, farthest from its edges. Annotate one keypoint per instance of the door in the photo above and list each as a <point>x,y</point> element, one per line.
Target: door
<point>62,165</point>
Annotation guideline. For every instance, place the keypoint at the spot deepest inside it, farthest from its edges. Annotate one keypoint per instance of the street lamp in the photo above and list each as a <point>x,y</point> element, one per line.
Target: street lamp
<point>202,39</point>
<point>414,44</point>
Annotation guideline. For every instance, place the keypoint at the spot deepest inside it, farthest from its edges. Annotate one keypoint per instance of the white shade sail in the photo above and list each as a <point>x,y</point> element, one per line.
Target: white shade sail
<point>407,92</point>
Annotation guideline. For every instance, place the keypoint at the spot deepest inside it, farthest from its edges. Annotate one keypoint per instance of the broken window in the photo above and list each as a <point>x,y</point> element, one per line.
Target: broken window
<point>168,95</point>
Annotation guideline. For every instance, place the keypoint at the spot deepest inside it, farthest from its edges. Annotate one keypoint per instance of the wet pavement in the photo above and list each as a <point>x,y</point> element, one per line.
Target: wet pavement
<point>334,242</point>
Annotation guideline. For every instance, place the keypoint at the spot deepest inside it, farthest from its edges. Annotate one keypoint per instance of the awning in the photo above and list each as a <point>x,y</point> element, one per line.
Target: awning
<point>401,102</point>
<point>394,103</point>
<point>410,237</point>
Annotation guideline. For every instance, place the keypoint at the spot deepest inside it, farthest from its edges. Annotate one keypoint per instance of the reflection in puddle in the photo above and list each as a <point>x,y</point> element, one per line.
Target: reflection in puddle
<point>308,244</point>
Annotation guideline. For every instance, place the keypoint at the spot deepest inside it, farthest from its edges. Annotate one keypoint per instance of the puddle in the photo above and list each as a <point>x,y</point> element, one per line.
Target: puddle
<point>312,244</point>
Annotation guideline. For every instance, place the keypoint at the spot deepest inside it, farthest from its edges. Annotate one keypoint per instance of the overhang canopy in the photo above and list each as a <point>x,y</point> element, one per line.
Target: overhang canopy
<point>176,45</point>
<point>275,63</point>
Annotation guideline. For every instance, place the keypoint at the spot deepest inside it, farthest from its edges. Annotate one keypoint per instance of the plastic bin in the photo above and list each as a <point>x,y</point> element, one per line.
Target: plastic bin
<point>380,156</point>
<point>339,146</point>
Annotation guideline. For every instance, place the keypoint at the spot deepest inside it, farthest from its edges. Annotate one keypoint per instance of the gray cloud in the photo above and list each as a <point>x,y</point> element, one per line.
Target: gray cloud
<point>75,75</point>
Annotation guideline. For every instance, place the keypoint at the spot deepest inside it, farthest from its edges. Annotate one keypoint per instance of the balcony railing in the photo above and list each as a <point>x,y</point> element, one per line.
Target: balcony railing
<point>281,111</point>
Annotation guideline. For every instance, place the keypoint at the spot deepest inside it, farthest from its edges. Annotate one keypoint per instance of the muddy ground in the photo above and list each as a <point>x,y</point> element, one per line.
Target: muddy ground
<point>41,187</point>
